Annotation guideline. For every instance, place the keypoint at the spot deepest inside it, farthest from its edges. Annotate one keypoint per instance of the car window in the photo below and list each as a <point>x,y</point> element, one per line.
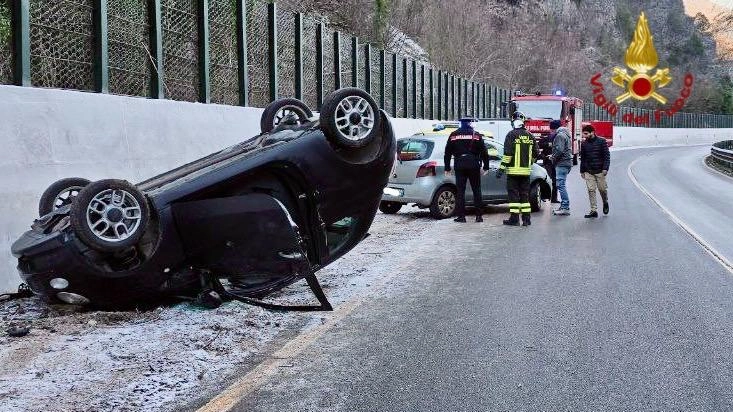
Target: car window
<point>337,233</point>
<point>410,149</point>
<point>495,150</point>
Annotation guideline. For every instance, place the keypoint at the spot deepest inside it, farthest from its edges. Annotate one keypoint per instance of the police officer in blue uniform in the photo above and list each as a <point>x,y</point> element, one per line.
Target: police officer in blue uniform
<point>469,149</point>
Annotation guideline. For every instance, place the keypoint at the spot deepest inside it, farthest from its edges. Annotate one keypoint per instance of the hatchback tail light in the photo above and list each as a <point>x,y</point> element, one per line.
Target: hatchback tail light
<point>427,169</point>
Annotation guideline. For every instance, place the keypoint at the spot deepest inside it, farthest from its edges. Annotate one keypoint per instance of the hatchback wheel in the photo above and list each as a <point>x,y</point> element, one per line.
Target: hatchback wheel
<point>60,194</point>
<point>444,203</point>
<point>535,197</point>
<point>389,208</point>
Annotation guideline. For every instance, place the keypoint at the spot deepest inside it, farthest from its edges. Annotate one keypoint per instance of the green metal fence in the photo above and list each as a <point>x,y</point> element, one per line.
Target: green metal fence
<point>240,52</point>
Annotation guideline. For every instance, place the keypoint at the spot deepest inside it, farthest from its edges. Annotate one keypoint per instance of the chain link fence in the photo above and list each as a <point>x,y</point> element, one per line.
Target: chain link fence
<point>61,44</point>
<point>310,97</point>
<point>223,57</point>
<point>62,48</point>
<point>130,59</point>
<point>180,49</point>
<point>6,42</point>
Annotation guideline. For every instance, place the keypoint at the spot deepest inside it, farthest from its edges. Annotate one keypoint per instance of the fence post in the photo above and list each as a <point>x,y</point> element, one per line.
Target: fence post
<point>337,60</point>
<point>453,96</point>
<point>422,91</point>
<point>203,28</point>
<point>382,78</point>
<point>432,95</point>
<point>414,89</point>
<point>446,113</point>
<point>242,72</point>
<point>440,95</point>
<point>22,43</point>
<point>394,85</point>
<point>101,51</point>
<point>460,98</point>
<point>319,65</point>
<point>497,105</point>
<point>368,68</point>
<point>355,61</point>
<point>465,97</point>
<point>272,43</point>
<point>405,89</point>
<point>298,52</point>
<point>156,49</point>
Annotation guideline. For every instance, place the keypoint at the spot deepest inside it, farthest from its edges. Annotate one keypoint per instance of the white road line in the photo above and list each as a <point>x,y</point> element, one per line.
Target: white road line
<point>708,248</point>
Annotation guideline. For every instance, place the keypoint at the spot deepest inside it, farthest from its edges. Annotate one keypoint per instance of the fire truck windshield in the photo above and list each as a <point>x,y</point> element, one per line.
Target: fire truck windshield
<point>538,109</point>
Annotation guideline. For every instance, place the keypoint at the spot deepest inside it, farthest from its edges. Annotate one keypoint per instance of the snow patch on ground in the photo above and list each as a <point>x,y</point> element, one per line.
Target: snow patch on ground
<point>165,359</point>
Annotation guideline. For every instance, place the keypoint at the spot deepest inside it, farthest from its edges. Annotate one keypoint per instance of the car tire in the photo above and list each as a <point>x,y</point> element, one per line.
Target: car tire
<point>119,205</point>
<point>535,196</point>
<point>60,194</point>
<point>350,118</point>
<point>389,208</point>
<point>443,205</point>
<point>276,111</point>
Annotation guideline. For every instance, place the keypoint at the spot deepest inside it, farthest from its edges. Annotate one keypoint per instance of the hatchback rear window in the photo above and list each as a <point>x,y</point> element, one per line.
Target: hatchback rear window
<point>409,149</point>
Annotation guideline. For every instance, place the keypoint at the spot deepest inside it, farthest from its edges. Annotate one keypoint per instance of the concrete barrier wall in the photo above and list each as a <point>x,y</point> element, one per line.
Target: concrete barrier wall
<point>47,134</point>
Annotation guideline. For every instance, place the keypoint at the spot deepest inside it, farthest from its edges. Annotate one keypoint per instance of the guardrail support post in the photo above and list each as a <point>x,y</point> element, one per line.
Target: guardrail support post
<point>319,65</point>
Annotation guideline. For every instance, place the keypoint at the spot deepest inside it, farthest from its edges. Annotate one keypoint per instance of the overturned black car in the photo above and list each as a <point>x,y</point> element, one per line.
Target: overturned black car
<point>237,224</point>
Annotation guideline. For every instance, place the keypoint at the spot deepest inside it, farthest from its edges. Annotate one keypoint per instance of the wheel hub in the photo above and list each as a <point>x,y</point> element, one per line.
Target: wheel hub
<point>114,215</point>
<point>355,118</point>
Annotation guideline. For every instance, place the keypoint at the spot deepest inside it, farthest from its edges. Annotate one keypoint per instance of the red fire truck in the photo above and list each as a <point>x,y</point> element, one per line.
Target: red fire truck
<point>541,108</point>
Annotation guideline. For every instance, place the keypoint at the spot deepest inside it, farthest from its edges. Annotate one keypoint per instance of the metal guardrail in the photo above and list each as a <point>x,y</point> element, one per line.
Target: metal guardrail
<point>722,154</point>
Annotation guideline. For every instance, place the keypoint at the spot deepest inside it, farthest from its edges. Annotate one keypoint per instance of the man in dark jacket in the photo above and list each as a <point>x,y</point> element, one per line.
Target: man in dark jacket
<point>469,149</point>
<point>595,158</point>
<point>545,146</point>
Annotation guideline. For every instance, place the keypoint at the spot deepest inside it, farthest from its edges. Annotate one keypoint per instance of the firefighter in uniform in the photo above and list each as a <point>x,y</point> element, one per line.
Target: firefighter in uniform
<point>469,149</point>
<point>520,151</point>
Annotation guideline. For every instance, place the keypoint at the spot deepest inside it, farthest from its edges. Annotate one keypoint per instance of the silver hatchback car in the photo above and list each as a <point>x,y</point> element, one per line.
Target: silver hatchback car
<point>418,176</point>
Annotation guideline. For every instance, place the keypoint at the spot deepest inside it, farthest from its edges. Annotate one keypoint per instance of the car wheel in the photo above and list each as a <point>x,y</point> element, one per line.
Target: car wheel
<point>444,203</point>
<point>535,197</point>
<point>60,194</point>
<point>109,215</point>
<point>389,208</point>
<point>350,118</point>
<point>286,112</point>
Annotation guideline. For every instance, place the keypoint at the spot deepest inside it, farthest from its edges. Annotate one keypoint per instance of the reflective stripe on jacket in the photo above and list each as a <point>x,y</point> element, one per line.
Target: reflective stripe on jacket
<point>520,151</point>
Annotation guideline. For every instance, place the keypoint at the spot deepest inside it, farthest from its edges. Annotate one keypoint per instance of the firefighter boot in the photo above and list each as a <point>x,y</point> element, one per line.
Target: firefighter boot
<point>513,220</point>
<point>526,221</point>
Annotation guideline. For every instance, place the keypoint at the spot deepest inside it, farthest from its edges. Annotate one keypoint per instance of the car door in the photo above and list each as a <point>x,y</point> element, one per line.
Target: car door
<point>491,187</point>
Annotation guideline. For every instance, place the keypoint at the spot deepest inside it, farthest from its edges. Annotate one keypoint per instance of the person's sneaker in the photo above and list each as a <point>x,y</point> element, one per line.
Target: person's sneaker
<point>460,219</point>
<point>591,214</point>
<point>605,208</point>
<point>561,212</point>
<point>479,218</point>
<point>554,201</point>
<point>526,223</point>
<point>510,222</point>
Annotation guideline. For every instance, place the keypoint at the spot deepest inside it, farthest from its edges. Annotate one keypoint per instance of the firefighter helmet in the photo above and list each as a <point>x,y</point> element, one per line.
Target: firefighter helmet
<point>518,119</point>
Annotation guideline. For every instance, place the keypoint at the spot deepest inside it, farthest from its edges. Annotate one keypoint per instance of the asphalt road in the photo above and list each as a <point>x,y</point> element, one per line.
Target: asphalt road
<point>623,312</point>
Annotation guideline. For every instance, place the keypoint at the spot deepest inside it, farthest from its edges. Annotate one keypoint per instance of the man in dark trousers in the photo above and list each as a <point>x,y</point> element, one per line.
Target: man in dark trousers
<point>520,151</point>
<point>469,149</point>
<point>595,158</point>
